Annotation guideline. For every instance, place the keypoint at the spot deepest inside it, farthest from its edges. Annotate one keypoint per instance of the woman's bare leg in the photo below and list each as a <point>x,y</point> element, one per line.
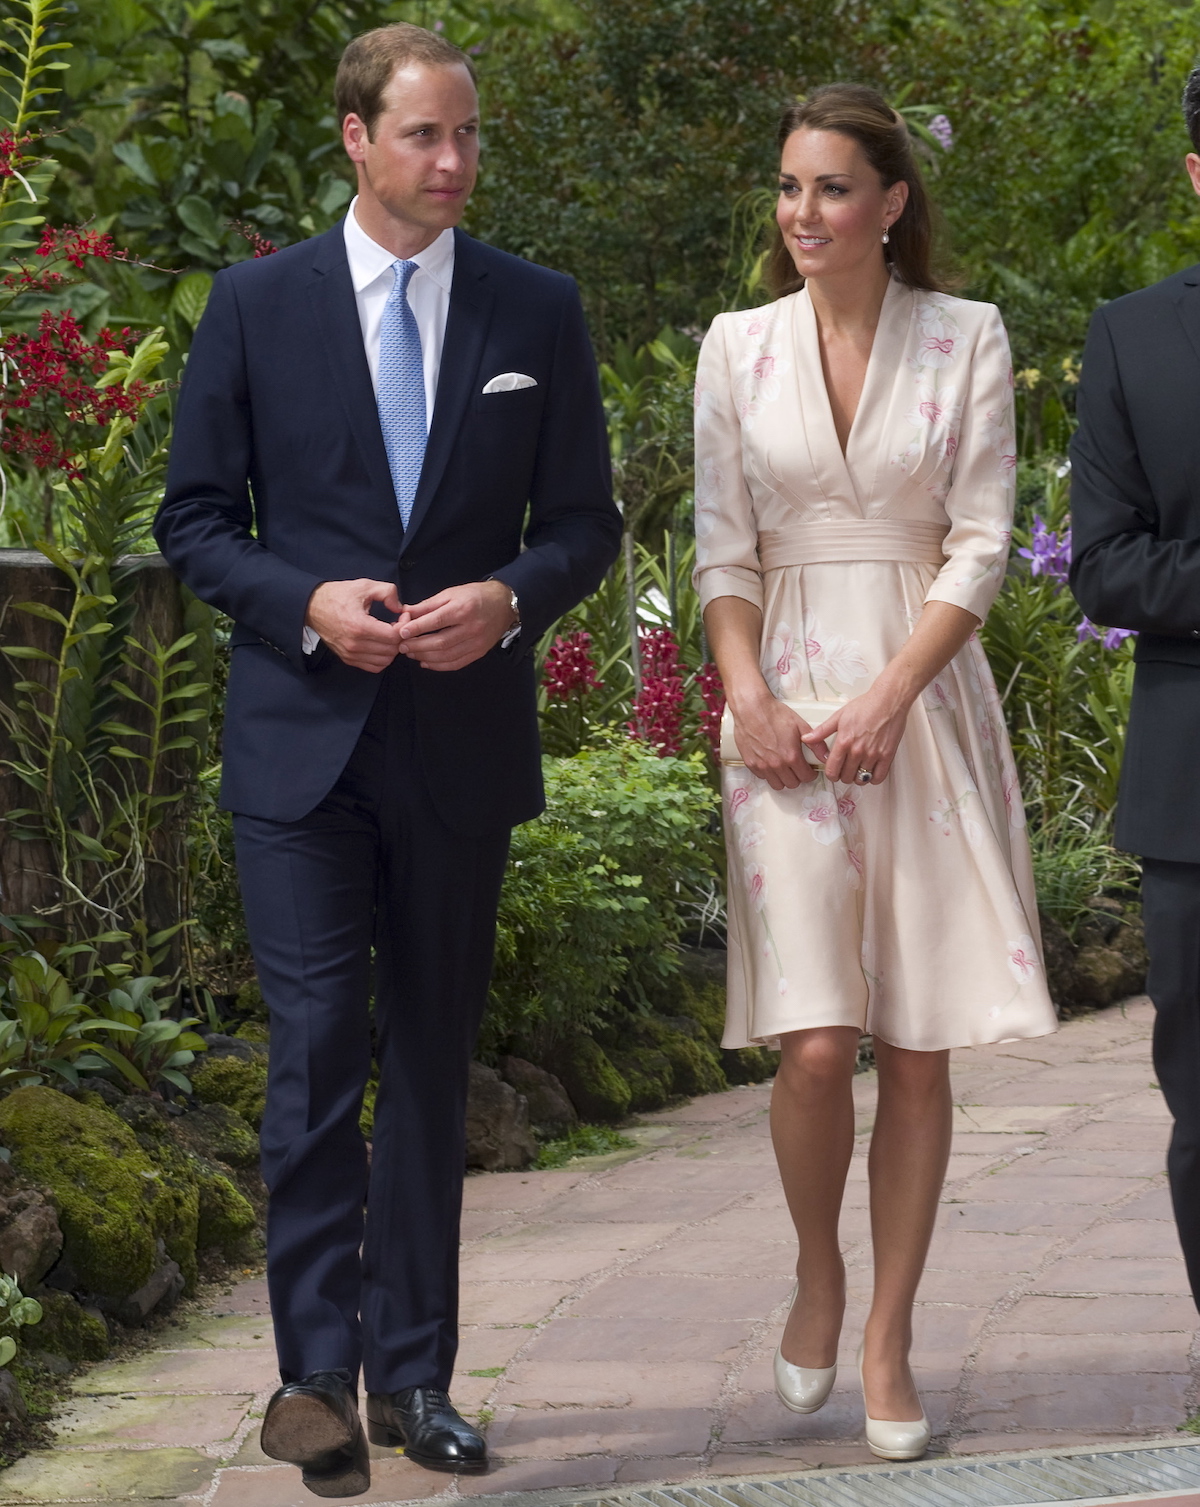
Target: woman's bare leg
<point>812,1127</point>
<point>909,1150</point>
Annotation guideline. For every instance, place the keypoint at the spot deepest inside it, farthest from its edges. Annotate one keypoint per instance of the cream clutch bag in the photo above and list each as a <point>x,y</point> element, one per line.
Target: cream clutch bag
<point>812,711</point>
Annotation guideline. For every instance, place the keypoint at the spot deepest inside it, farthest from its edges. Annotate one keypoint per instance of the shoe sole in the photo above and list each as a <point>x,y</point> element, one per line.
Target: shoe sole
<point>388,1438</point>
<point>347,1483</point>
<point>793,1408</point>
<point>303,1430</point>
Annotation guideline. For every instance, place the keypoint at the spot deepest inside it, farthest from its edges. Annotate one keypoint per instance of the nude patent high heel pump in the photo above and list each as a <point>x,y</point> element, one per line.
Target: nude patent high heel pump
<point>802,1389</point>
<point>891,1440</point>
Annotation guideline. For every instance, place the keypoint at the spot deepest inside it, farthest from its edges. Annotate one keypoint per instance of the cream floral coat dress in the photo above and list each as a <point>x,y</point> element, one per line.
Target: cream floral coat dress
<point>906,909</point>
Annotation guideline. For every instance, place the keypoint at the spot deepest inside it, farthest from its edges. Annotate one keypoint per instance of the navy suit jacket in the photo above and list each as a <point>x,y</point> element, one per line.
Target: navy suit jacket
<point>279,480</point>
<point>1135,539</point>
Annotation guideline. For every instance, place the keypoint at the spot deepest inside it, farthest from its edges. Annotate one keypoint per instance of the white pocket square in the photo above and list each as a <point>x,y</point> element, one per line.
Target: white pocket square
<point>509,382</point>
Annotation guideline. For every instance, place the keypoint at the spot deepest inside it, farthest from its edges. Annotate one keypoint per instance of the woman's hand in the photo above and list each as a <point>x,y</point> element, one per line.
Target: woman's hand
<point>771,739</point>
<point>868,729</point>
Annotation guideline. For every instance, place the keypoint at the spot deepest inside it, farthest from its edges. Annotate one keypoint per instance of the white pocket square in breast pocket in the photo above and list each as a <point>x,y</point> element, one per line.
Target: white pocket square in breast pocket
<point>509,382</point>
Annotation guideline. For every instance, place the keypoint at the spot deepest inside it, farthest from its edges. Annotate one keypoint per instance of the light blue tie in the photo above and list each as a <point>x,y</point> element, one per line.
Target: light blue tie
<point>401,391</point>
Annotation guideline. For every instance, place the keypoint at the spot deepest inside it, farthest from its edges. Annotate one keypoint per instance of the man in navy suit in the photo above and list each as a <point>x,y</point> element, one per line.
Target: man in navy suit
<point>1135,521</point>
<point>390,469</point>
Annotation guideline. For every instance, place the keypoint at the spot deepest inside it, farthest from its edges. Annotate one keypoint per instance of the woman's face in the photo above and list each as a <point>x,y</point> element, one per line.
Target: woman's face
<point>833,208</point>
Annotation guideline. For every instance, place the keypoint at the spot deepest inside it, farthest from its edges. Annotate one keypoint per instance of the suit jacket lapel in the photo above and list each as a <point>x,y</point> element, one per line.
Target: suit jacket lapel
<point>1187,302</point>
<point>462,351</point>
<point>336,309</point>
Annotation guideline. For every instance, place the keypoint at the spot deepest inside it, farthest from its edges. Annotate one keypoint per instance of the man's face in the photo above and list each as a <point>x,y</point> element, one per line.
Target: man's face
<point>422,157</point>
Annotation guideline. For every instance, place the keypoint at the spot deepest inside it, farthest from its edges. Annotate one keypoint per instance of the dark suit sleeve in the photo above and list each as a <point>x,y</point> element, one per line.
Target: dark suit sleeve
<point>1123,575</point>
<point>204,524</point>
<point>574,529</point>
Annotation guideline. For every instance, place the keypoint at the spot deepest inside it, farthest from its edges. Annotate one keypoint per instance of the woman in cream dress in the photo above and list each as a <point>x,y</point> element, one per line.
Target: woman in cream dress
<point>855,476</point>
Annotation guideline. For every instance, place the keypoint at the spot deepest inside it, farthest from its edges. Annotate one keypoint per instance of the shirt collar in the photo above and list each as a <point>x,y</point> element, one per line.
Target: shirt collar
<point>369,260</point>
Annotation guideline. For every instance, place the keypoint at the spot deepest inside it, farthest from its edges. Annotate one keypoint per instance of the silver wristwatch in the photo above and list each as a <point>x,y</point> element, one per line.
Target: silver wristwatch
<point>511,635</point>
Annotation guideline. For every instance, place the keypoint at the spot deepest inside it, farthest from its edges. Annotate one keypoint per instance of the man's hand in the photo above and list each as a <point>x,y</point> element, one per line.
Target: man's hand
<point>340,612</point>
<point>457,626</point>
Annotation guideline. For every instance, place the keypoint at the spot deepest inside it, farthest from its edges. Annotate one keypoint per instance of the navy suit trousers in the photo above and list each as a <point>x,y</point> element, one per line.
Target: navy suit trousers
<point>369,898</point>
<point>1171,911</point>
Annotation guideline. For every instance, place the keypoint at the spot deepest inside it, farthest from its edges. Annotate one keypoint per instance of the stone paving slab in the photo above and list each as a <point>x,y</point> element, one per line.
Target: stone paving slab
<point>619,1315</point>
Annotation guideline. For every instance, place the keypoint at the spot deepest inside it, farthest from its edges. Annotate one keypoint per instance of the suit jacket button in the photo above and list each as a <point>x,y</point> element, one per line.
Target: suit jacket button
<point>406,564</point>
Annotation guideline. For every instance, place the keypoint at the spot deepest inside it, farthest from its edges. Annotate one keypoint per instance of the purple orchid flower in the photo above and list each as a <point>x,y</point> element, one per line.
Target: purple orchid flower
<point>1111,638</point>
<point>942,131</point>
<point>1050,556</point>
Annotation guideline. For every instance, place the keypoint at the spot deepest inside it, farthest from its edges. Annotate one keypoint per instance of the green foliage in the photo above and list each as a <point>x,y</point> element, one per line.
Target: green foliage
<point>593,903</point>
<point>45,1025</point>
<point>16,1311</point>
<point>1073,863</point>
<point>146,1045</point>
<point>581,1141</point>
<point>657,116</point>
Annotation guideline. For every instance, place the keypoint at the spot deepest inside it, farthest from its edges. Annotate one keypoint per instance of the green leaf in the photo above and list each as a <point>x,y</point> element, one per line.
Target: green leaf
<point>25,651</point>
<point>191,296</point>
<point>131,154</point>
<point>197,214</point>
<point>39,609</point>
<point>8,1348</point>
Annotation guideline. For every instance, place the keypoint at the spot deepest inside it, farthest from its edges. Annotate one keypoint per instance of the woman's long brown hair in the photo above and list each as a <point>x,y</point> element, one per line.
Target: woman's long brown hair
<point>866,117</point>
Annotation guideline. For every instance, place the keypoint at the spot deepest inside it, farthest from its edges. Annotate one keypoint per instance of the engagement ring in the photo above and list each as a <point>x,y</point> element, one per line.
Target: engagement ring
<point>863,776</point>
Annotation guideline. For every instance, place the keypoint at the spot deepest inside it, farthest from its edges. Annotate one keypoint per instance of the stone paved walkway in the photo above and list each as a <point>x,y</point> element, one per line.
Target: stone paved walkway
<point>620,1315</point>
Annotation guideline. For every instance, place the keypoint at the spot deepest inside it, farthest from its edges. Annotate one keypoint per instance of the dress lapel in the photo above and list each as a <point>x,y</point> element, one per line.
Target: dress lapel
<point>462,351</point>
<point>332,294</point>
<point>829,464</point>
<point>1187,302</point>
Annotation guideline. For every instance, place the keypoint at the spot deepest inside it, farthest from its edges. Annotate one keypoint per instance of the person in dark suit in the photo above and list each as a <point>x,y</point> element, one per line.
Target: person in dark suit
<point>1135,516</point>
<point>390,469</point>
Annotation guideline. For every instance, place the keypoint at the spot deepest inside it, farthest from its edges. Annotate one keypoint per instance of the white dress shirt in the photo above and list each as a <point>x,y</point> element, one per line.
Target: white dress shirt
<point>428,298</point>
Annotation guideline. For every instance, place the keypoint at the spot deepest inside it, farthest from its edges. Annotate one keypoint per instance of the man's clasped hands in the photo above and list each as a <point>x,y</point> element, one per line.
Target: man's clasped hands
<point>446,632</point>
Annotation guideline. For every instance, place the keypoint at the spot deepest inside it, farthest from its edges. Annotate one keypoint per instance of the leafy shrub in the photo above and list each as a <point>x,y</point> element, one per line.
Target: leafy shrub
<point>1073,863</point>
<point>146,1045</point>
<point>593,903</point>
<point>44,1025</point>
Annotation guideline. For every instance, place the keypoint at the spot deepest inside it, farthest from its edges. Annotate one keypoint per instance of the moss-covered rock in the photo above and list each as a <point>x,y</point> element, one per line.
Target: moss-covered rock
<point>113,1202</point>
<point>253,1030</point>
<point>749,1064</point>
<point>695,1063</point>
<point>227,1219</point>
<point>66,1329</point>
<point>181,1212</point>
<point>596,1088</point>
<point>218,1133</point>
<point>649,1075</point>
<point>242,1086</point>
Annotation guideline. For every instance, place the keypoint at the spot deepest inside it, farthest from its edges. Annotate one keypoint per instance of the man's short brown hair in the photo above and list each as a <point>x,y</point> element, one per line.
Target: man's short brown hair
<point>369,62</point>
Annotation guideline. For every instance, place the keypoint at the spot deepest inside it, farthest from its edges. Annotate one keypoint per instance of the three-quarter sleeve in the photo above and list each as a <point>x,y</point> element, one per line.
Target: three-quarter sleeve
<point>982,489</point>
<point>727,562</point>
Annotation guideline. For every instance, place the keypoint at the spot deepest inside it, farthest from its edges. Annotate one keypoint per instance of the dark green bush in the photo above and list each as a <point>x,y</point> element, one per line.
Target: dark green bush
<point>592,908</point>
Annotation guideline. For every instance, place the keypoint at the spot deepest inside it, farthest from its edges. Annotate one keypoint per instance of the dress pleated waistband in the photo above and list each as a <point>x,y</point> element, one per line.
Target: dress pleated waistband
<point>854,539</point>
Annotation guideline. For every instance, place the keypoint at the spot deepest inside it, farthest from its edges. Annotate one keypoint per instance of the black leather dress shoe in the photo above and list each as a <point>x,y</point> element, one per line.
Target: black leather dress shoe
<point>314,1424</point>
<point>425,1424</point>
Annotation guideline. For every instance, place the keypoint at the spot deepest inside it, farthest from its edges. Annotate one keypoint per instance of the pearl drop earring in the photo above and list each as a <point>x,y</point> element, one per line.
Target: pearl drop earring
<point>886,238</point>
